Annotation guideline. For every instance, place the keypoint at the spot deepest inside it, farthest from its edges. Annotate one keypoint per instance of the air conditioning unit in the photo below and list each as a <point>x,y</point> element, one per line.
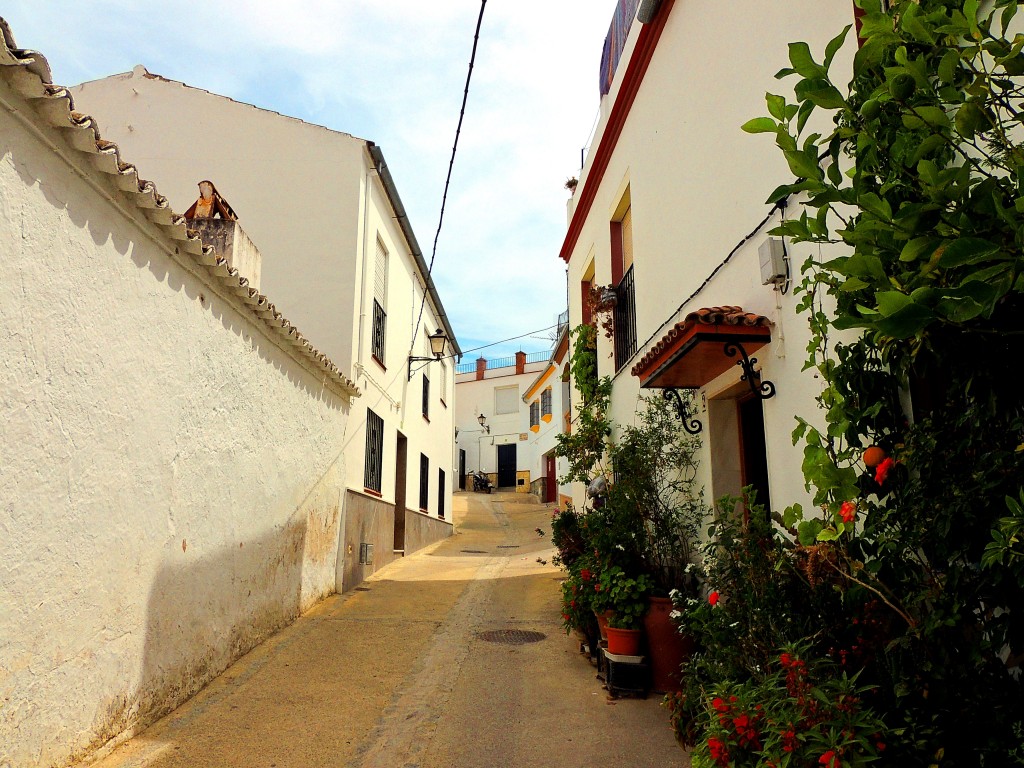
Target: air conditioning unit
<point>772,255</point>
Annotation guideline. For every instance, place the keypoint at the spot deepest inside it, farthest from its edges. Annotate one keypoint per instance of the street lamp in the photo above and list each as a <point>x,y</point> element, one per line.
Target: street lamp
<point>482,421</point>
<point>437,341</point>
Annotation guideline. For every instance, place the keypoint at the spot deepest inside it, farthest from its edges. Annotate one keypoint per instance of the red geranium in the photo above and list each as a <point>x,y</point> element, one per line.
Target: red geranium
<point>883,469</point>
<point>848,511</point>
<point>713,598</point>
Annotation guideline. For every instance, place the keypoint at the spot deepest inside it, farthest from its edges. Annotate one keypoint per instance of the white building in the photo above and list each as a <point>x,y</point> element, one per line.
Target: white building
<point>172,449</point>
<point>493,421</point>
<point>548,401</point>
<point>670,215</point>
<point>341,259</point>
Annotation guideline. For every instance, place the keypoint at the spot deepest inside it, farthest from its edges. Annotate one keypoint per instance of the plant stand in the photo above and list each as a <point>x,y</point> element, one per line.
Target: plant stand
<point>624,675</point>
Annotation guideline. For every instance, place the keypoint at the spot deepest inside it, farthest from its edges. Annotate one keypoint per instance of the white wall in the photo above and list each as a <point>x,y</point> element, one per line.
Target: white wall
<point>169,476</point>
<point>295,187</point>
<point>697,185</point>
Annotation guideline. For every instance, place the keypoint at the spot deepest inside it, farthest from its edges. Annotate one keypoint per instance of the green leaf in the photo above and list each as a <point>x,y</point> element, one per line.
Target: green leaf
<point>967,250</point>
<point>803,165</point>
<point>891,302</point>
<point>802,61</point>
<point>776,106</point>
<point>792,515</point>
<point>821,92</point>
<point>930,116</point>
<point>834,45</point>
<point>873,204</point>
<point>808,531</point>
<point>971,12</point>
<point>906,322</point>
<point>919,247</point>
<point>948,66</point>
<point>760,125</point>
<point>970,119</point>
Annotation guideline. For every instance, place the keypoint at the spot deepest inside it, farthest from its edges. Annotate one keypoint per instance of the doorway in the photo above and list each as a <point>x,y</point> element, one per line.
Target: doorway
<point>754,453</point>
<point>739,456</point>
<point>462,469</point>
<point>507,465</point>
<point>551,484</point>
<point>401,456</point>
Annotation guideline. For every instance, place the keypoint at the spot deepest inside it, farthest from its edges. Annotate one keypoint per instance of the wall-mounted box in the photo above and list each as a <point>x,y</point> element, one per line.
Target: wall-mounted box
<point>772,255</point>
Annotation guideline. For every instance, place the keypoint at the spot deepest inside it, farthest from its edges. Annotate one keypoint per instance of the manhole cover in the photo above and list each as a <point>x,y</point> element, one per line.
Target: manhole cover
<point>509,546</point>
<point>362,589</point>
<point>474,552</point>
<point>512,636</point>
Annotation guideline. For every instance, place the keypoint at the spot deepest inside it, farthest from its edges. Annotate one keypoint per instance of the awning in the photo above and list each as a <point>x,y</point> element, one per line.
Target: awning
<point>702,347</point>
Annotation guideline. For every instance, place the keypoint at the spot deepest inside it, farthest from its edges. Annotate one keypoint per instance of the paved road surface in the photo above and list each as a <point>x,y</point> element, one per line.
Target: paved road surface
<point>398,673</point>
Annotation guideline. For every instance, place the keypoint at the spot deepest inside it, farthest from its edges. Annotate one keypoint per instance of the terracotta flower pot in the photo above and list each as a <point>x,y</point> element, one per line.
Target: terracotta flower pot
<point>602,623</point>
<point>666,647</point>
<point>624,642</point>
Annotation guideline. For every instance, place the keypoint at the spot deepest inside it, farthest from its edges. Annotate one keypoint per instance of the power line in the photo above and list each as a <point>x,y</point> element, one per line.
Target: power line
<point>451,164</point>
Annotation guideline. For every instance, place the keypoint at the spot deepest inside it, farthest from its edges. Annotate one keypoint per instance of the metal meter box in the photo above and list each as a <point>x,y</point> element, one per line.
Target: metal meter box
<point>772,255</point>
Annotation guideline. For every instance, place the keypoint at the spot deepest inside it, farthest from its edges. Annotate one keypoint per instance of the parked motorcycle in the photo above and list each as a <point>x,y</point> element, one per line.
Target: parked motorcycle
<point>481,482</point>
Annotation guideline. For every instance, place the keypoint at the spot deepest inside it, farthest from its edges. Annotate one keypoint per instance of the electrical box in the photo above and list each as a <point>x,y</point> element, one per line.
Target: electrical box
<point>366,554</point>
<point>772,253</point>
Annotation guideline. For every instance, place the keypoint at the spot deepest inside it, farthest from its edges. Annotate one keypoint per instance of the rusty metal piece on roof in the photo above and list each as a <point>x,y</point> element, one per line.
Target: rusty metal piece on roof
<point>210,204</point>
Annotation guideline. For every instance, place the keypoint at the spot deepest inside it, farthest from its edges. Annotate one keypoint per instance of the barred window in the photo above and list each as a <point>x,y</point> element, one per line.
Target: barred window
<point>440,493</point>
<point>380,324</point>
<point>545,402</point>
<point>374,459</point>
<point>380,300</point>
<point>426,398</point>
<point>424,482</point>
<point>534,414</point>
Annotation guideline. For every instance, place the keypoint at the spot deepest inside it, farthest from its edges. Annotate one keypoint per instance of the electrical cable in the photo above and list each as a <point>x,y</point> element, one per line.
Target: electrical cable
<point>451,164</point>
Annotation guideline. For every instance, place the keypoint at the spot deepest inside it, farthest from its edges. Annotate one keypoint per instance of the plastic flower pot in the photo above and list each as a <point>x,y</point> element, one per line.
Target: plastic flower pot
<point>624,642</point>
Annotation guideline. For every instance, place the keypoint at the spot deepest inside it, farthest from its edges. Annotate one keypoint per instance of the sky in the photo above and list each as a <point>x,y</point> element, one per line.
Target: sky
<point>393,72</point>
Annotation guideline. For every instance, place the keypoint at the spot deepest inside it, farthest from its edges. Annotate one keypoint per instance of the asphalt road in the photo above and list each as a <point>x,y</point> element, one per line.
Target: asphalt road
<point>453,657</point>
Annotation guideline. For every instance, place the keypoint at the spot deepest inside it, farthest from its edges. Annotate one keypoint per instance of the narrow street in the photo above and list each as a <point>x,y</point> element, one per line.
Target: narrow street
<point>402,672</point>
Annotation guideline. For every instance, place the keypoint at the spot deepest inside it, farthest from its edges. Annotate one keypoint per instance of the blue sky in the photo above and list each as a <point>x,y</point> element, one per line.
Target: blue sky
<point>393,71</point>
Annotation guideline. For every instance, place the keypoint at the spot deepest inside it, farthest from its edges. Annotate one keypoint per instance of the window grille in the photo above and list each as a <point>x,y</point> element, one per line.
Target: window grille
<point>374,459</point>
<point>380,322</point>
<point>426,397</point>
<point>424,482</point>
<point>534,414</point>
<point>624,320</point>
<point>545,402</point>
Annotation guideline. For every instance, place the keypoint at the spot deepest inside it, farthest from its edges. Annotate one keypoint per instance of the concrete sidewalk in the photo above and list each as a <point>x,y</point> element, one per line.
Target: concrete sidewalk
<point>402,673</point>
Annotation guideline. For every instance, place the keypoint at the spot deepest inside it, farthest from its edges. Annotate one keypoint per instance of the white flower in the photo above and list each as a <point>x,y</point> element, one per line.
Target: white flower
<point>688,568</point>
<point>674,594</point>
<point>675,615</point>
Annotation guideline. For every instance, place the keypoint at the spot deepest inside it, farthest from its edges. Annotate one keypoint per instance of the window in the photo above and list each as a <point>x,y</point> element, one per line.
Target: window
<point>374,459</point>
<point>380,294</point>
<point>440,493</point>
<point>424,482</point>
<point>506,400</point>
<point>624,314</point>
<point>534,415</point>
<point>426,398</point>
<point>545,403</point>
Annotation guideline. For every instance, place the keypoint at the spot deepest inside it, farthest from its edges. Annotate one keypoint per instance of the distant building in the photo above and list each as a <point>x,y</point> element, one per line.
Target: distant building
<point>341,259</point>
<point>493,421</point>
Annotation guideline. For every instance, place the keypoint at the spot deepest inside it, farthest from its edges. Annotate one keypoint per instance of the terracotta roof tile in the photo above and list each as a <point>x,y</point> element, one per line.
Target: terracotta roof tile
<point>28,73</point>
<point>725,315</point>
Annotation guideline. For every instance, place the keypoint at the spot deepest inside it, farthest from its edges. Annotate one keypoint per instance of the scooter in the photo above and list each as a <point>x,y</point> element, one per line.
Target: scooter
<point>481,482</point>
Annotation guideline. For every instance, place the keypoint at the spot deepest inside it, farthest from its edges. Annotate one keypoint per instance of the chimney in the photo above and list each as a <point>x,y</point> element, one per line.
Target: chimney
<point>481,366</point>
<point>520,362</point>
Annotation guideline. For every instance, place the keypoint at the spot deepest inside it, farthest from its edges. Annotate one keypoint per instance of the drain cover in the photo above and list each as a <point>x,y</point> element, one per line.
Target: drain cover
<point>474,552</point>
<point>512,636</point>
<point>362,589</point>
<point>509,546</point>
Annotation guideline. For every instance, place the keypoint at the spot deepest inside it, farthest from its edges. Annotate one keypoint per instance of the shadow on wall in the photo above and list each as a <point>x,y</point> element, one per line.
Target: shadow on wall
<point>205,610</point>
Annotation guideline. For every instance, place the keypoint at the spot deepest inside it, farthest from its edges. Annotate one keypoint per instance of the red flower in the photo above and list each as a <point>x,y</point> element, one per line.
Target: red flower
<point>585,574</point>
<point>713,598</point>
<point>830,759</point>
<point>848,511</point>
<point>883,469</point>
<point>719,752</point>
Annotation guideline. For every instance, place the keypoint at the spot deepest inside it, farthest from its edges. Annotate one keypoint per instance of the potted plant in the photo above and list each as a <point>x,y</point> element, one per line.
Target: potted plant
<point>625,595</point>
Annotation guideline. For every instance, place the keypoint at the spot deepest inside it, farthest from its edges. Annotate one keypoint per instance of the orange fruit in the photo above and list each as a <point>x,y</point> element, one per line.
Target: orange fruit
<point>874,456</point>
